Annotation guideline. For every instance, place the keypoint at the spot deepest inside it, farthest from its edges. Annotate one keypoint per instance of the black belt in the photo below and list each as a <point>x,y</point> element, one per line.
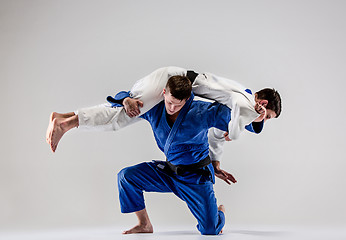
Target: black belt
<point>191,75</point>
<point>193,168</point>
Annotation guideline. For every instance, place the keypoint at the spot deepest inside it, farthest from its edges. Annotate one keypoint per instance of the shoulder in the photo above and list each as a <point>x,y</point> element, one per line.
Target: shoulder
<point>208,105</point>
<point>157,108</point>
<point>153,112</point>
<point>198,104</point>
<point>207,108</point>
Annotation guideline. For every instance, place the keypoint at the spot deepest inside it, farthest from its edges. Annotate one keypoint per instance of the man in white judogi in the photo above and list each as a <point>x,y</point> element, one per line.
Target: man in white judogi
<point>248,111</point>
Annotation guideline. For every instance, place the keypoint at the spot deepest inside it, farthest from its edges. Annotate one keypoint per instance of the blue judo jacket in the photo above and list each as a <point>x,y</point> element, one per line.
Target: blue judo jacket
<point>186,142</point>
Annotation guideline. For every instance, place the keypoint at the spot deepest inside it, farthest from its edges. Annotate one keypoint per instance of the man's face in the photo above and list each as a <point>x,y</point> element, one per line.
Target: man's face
<point>172,104</point>
<point>260,107</point>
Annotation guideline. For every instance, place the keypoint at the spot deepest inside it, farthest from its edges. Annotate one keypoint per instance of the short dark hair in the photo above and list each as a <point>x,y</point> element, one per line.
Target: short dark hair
<point>273,98</point>
<point>179,86</point>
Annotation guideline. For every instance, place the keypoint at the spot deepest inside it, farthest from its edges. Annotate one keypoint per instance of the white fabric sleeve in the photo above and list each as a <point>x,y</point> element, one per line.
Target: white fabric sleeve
<point>216,141</point>
<point>148,90</point>
<point>103,117</point>
<point>233,95</point>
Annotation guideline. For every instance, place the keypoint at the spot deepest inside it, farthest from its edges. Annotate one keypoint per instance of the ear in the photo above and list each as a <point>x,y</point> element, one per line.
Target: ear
<point>164,91</point>
<point>264,103</point>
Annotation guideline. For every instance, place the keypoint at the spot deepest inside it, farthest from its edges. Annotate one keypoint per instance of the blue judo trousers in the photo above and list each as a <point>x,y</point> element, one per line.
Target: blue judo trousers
<point>184,143</point>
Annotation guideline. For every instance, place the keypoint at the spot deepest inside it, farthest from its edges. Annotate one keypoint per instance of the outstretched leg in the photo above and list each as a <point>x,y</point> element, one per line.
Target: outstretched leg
<point>59,124</point>
<point>144,224</point>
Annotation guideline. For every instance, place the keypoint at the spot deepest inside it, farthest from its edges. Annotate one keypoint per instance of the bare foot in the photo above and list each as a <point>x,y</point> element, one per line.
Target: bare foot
<point>59,124</point>
<point>53,116</point>
<point>57,131</point>
<point>148,228</point>
<point>222,209</point>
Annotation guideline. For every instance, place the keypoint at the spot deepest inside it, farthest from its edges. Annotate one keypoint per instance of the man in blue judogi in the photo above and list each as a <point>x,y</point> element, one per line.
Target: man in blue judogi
<point>180,127</point>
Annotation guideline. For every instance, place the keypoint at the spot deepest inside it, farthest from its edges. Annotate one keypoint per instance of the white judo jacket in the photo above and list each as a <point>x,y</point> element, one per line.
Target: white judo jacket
<point>150,91</point>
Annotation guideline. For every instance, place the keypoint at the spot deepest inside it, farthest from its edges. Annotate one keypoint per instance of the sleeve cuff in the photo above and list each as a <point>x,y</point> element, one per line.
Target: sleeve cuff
<point>255,127</point>
<point>117,100</point>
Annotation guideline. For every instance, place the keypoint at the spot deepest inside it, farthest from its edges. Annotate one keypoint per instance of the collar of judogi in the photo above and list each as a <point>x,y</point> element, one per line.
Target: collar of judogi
<point>177,123</point>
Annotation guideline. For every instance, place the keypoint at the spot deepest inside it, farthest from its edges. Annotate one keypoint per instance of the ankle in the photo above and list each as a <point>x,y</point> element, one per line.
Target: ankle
<point>64,125</point>
<point>69,123</point>
<point>145,224</point>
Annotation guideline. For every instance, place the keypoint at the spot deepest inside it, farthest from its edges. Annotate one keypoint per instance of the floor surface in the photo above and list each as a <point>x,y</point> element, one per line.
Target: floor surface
<point>175,233</point>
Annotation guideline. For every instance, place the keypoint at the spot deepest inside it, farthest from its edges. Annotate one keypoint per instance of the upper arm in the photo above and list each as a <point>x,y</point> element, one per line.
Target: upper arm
<point>219,116</point>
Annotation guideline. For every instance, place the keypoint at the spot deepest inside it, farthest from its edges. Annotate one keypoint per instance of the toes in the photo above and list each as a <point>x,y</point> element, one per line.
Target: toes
<point>52,116</point>
<point>127,232</point>
<point>54,147</point>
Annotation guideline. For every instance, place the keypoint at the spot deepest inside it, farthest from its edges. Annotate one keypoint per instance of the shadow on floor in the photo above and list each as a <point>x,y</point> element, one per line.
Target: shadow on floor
<point>259,233</point>
<point>177,233</point>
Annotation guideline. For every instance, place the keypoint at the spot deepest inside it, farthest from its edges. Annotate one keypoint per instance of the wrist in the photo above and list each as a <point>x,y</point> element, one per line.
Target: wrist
<point>216,164</point>
<point>125,100</point>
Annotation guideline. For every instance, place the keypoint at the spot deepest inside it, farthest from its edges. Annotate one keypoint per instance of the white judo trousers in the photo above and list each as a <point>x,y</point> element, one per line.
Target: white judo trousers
<point>149,91</point>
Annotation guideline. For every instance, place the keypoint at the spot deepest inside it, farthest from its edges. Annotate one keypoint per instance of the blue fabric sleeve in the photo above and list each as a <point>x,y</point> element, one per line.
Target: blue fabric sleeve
<point>145,116</point>
<point>219,116</point>
<point>249,128</point>
<point>152,113</point>
<point>117,100</point>
<point>255,127</point>
<point>248,91</point>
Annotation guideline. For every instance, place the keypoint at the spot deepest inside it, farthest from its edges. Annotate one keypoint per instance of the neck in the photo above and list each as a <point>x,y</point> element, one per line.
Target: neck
<point>171,118</point>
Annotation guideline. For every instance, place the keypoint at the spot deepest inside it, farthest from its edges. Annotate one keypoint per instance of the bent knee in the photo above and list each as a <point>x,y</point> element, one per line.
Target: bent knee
<point>211,227</point>
<point>210,231</point>
<point>130,174</point>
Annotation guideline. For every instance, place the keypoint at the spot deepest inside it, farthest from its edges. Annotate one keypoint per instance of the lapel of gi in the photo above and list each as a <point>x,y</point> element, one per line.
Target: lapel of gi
<point>177,123</point>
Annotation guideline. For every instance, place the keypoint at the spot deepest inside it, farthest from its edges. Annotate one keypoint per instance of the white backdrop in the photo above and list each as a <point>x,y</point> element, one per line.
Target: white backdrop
<point>63,55</point>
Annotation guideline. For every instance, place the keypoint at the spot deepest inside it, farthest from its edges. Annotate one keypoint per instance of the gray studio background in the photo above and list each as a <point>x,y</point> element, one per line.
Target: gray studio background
<point>64,55</point>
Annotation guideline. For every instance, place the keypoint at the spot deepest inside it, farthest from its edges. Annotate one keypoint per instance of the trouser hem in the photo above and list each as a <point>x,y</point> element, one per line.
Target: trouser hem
<point>131,210</point>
